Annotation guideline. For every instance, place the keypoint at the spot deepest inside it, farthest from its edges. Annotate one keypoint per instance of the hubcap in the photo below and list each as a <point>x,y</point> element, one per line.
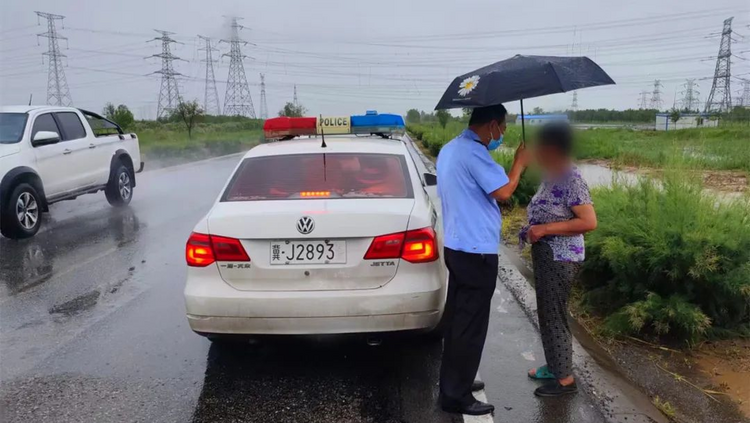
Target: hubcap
<point>27,211</point>
<point>124,185</point>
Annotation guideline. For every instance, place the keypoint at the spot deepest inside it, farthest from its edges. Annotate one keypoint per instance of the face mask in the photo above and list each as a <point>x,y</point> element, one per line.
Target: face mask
<point>494,143</point>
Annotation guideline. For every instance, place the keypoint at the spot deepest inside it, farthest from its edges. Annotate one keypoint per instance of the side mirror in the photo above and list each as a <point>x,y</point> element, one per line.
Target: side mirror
<point>45,138</point>
<point>430,179</point>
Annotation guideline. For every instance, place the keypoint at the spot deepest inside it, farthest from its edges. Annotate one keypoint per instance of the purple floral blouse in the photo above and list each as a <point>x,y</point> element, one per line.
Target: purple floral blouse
<point>552,203</point>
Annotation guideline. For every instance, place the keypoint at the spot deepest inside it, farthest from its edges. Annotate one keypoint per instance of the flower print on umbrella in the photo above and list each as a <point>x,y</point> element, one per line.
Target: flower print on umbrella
<point>468,85</point>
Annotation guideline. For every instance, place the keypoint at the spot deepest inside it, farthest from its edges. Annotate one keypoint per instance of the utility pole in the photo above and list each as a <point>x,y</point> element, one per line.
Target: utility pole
<point>690,95</point>
<point>263,103</point>
<point>643,101</point>
<point>169,93</point>
<point>211,95</point>
<point>58,93</point>
<point>295,101</point>
<point>720,98</point>
<point>574,104</point>
<point>656,100</point>
<point>237,100</point>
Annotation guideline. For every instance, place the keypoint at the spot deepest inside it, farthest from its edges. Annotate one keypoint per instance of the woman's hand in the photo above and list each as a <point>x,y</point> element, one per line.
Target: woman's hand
<point>536,233</point>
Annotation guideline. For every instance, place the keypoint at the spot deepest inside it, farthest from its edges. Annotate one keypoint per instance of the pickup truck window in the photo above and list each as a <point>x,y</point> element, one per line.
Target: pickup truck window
<point>11,127</point>
<point>71,126</point>
<point>44,122</point>
<point>100,126</point>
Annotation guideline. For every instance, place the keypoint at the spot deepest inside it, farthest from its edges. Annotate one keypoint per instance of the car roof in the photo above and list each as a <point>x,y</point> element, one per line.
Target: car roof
<point>27,109</point>
<point>334,144</point>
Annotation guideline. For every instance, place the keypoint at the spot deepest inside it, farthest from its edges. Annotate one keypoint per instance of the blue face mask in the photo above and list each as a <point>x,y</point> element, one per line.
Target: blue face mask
<point>495,143</point>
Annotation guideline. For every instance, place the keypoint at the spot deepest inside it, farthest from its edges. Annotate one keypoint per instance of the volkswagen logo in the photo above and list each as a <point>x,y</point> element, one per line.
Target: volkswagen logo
<point>305,225</point>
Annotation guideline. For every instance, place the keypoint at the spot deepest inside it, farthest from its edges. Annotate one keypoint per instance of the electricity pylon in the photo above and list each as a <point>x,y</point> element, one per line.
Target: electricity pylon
<point>211,95</point>
<point>295,101</point>
<point>58,93</point>
<point>263,103</point>
<point>656,100</point>
<point>720,98</point>
<point>690,95</point>
<point>643,101</point>
<point>237,100</point>
<point>574,103</point>
<point>169,93</point>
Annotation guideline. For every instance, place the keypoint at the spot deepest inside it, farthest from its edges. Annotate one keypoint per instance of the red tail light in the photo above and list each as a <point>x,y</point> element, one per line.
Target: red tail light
<point>417,246</point>
<point>202,250</point>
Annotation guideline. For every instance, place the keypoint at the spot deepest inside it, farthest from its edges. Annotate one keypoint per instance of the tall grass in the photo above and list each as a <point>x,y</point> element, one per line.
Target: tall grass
<point>669,260</point>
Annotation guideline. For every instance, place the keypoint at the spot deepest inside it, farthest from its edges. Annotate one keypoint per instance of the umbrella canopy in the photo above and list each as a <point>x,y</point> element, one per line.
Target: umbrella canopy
<point>522,77</point>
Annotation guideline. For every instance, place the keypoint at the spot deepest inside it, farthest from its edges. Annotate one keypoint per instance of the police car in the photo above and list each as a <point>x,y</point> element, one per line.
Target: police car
<point>328,230</point>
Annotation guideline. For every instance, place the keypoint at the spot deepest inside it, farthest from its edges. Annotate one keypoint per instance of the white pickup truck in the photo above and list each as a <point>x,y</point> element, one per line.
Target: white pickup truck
<point>50,154</point>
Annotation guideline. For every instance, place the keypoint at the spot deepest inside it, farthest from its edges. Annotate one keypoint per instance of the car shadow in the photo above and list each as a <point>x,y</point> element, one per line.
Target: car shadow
<point>322,379</point>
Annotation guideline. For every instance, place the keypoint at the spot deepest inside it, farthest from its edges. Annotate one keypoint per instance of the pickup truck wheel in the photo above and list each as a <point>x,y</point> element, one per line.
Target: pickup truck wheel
<point>119,189</point>
<point>22,215</point>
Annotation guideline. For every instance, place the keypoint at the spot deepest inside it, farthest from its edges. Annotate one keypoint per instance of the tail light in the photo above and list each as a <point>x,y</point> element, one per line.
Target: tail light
<point>202,250</point>
<point>417,246</point>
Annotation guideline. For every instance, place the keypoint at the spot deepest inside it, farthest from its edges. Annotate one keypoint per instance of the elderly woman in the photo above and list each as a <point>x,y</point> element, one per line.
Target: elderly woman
<point>559,214</point>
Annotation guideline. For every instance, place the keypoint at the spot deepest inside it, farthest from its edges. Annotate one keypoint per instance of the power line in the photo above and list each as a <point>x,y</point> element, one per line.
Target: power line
<point>58,93</point>
<point>237,100</point>
<point>263,103</point>
<point>211,95</point>
<point>720,98</point>
<point>169,93</point>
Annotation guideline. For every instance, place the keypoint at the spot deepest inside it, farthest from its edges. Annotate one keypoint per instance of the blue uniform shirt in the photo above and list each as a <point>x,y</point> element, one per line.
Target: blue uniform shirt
<point>466,177</point>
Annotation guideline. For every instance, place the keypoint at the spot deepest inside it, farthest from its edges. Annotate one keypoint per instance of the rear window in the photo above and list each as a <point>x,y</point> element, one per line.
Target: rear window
<point>316,176</point>
<point>71,126</point>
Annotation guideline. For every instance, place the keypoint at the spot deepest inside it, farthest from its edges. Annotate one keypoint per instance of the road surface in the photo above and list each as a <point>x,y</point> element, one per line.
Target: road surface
<point>92,328</point>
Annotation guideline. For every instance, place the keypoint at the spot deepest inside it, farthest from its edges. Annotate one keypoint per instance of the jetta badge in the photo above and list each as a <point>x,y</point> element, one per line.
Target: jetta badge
<point>305,225</point>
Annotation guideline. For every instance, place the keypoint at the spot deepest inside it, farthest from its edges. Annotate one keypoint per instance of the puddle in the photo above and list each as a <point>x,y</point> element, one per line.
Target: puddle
<point>596,175</point>
<point>76,305</point>
<point>727,365</point>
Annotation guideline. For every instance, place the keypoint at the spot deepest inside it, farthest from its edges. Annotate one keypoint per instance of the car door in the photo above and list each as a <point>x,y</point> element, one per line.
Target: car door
<point>52,159</point>
<point>81,150</point>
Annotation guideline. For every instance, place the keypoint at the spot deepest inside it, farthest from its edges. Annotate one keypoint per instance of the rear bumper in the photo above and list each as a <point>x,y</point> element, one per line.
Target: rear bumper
<point>413,300</point>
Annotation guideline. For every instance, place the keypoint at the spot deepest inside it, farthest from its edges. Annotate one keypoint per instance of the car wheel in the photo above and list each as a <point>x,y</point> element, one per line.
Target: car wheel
<point>119,189</point>
<point>22,216</point>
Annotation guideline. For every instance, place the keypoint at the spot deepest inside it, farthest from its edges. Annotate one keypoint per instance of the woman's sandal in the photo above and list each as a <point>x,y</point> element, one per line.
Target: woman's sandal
<point>541,374</point>
<point>555,389</point>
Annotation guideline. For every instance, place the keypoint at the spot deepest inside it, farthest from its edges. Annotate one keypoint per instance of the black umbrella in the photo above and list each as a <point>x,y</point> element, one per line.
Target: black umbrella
<point>522,77</point>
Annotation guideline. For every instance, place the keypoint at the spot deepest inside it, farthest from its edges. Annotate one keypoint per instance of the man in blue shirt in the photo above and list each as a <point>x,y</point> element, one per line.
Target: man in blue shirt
<point>470,183</point>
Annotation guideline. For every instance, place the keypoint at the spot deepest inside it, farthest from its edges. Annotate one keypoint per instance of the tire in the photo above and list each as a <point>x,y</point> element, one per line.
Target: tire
<point>119,189</point>
<point>24,201</point>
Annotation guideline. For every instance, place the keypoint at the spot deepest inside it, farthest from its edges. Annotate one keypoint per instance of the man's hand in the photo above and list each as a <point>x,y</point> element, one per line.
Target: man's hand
<point>522,156</point>
<point>536,233</point>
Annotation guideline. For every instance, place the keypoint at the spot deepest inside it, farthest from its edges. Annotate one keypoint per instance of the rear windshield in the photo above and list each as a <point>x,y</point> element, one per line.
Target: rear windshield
<point>320,176</point>
<point>11,127</point>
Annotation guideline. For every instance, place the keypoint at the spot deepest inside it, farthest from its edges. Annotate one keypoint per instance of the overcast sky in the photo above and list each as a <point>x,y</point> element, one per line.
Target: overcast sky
<point>349,56</point>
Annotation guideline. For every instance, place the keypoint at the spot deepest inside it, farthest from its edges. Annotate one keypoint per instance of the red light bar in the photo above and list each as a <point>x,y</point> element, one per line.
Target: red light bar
<point>283,126</point>
<point>314,194</point>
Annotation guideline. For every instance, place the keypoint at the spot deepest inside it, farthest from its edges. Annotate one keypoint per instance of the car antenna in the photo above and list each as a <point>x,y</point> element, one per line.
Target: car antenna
<point>30,97</point>
<point>322,133</point>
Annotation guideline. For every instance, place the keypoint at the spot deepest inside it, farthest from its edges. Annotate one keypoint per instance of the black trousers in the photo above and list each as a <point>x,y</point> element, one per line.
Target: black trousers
<point>467,314</point>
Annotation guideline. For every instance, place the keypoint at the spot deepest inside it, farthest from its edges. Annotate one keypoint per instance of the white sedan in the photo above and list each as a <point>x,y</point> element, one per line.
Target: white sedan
<point>313,239</point>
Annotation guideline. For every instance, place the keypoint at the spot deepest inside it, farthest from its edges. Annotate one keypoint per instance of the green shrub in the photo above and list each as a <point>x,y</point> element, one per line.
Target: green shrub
<point>669,259</point>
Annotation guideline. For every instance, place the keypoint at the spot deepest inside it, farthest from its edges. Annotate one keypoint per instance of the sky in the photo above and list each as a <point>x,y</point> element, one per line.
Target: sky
<point>346,57</point>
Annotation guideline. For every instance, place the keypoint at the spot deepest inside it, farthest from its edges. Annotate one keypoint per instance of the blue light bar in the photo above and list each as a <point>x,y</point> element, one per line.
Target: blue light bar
<point>374,123</point>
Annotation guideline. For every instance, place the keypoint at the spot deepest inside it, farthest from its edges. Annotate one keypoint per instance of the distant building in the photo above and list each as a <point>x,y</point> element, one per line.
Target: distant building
<point>541,119</point>
<point>687,120</point>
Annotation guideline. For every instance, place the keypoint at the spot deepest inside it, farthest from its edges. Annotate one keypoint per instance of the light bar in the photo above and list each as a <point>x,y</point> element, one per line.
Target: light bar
<point>369,123</point>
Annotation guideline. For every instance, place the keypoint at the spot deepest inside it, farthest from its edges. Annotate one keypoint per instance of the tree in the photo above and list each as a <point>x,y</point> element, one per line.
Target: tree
<point>292,110</point>
<point>413,116</point>
<point>188,113</point>
<point>674,116</point>
<point>443,116</point>
<point>537,111</point>
<point>121,115</point>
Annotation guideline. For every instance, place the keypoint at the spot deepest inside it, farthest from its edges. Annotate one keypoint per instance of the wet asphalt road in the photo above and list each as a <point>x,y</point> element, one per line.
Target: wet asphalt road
<point>92,328</point>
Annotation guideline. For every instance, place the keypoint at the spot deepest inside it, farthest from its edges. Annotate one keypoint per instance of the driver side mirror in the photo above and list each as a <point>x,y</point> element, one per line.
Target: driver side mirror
<point>45,138</point>
<point>430,179</point>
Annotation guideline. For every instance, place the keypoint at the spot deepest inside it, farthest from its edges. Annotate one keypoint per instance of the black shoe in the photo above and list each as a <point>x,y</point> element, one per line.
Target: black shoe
<point>478,385</point>
<point>477,408</point>
<point>555,389</point>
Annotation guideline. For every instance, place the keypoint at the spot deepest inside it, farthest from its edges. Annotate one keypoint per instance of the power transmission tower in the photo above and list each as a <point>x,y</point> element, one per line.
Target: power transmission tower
<point>58,93</point>
<point>720,98</point>
<point>574,104</point>
<point>263,103</point>
<point>211,95</point>
<point>656,100</point>
<point>744,99</point>
<point>643,102</point>
<point>295,101</point>
<point>169,93</point>
<point>690,95</point>
<point>237,100</point>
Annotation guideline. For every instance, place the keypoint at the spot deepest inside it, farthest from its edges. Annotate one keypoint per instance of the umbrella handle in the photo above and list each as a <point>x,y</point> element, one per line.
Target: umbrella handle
<point>523,126</point>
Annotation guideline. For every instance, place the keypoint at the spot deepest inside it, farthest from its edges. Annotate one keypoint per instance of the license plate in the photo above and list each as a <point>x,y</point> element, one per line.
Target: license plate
<point>287,252</point>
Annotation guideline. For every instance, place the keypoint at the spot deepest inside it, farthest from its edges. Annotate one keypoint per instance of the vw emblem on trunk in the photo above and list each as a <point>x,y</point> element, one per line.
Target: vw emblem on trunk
<point>305,225</point>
